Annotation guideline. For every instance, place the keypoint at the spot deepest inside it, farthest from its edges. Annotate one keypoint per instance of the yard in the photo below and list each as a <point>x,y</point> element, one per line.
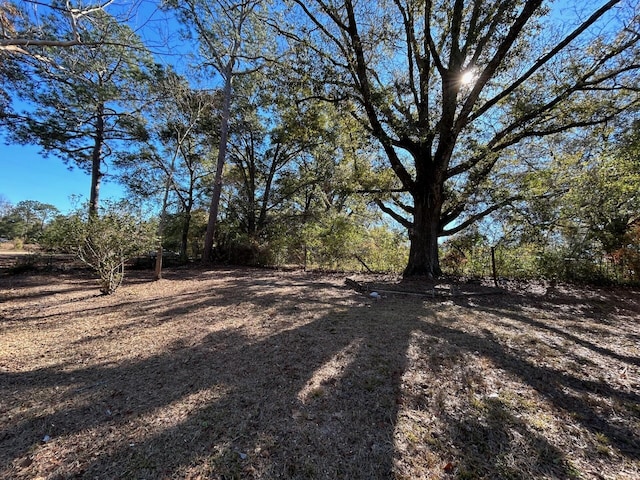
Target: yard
<point>243,373</point>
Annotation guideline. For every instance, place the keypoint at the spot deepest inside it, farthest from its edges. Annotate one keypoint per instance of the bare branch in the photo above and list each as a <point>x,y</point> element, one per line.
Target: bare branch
<point>478,216</point>
<point>544,59</point>
<point>398,218</point>
<point>73,14</point>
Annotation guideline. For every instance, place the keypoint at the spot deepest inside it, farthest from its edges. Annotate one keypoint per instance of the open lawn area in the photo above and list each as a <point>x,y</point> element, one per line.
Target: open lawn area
<point>257,374</point>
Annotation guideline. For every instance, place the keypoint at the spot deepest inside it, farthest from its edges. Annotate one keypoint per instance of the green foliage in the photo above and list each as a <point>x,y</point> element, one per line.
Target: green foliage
<point>109,241</point>
<point>459,149</point>
<point>18,243</point>
<point>105,242</point>
<point>342,242</point>
<point>461,254</point>
<point>384,249</point>
<point>604,200</point>
<point>333,241</point>
<point>295,182</point>
<point>82,103</point>
<point>64,233</point>
<point>173,235</point>
<point>302,173</point>
<point>174,162</point>
<point>78,93</point>
<point>27,221</point>
<point>530,260</point>
<point>578,216</point>
<point>325,240</point>
<point>182,126</point>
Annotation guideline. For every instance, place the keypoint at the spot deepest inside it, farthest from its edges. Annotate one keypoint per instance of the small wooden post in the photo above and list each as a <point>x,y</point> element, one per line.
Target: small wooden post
<point>304,264</point>
<point>493,266</point>
<point>158,269</point>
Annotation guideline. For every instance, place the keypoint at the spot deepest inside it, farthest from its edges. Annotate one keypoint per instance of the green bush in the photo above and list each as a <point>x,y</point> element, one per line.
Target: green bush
<point>104,242</point>
<point>384,249</point>
<point>18,243</point>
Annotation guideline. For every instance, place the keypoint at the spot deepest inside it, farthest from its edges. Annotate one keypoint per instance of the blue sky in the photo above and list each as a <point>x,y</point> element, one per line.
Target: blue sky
<point>27,175</point>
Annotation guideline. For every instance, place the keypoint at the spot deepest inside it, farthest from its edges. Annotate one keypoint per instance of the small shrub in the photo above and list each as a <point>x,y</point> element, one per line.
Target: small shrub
<point>110,240</point>
<point>105,242</point>
<point>18,243</point>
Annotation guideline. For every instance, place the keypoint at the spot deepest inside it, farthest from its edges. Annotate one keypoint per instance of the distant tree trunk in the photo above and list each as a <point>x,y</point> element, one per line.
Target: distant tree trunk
<point>161,225</point>
<point>262,218</point>
<point>158,269</point>
<point>494,270</point>
<point>96,162</point>
<point>251,220</point>
<point>251,197</point>
<point>184,240</point>
<point>207,256</point>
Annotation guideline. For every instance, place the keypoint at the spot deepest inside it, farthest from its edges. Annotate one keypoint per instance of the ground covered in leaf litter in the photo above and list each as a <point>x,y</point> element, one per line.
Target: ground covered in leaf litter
<point>257,374</point>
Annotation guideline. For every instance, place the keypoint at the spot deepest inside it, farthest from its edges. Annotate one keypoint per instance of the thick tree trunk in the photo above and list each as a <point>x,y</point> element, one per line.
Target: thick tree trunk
<point>423,254</point>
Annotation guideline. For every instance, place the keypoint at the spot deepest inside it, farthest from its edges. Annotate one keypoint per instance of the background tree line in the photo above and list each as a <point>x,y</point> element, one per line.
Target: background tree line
<point>386,135</point>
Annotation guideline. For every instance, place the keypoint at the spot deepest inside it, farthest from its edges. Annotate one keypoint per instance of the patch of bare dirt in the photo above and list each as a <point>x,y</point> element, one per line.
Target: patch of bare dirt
<point>245,373</point>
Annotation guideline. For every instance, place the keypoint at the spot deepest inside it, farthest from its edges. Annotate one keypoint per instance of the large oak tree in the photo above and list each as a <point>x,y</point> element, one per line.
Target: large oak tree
<point>449,88</point>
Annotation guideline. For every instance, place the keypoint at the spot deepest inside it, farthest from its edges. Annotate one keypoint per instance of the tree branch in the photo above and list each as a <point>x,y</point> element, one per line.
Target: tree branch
<point>525,15</point>
<point>397,217</point>
<point>544,59</point>
<point>478,216</point>
<point>365,89</point>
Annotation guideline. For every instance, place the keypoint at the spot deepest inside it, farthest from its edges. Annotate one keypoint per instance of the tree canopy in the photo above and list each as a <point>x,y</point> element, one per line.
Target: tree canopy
<point>301,119</point>
<point>80,101</point>
<point>450,89</point>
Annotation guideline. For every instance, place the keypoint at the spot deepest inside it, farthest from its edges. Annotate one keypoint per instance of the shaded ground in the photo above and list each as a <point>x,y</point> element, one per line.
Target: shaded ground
<point>240,373</point>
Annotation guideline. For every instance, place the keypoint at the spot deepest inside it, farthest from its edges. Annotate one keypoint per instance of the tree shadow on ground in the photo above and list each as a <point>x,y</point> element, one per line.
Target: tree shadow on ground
<point>12,288</point>
<point>261,406</point>
<point>501,445</point>
<point>319,398</point>
<point>599,404</point>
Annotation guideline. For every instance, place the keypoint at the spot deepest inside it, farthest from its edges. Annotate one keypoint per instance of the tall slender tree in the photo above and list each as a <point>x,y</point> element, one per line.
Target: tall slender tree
<point>232,43</point>
<point>449,87</point>
<point>174,161</point>
<point>269,135</point>
<point>82,101</point>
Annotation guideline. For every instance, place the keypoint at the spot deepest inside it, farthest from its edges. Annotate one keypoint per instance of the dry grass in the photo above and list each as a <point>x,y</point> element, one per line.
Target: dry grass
<point>230,374</point>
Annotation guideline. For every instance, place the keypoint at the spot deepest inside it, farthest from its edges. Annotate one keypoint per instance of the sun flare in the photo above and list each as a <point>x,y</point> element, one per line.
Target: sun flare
<point>468,77</point>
